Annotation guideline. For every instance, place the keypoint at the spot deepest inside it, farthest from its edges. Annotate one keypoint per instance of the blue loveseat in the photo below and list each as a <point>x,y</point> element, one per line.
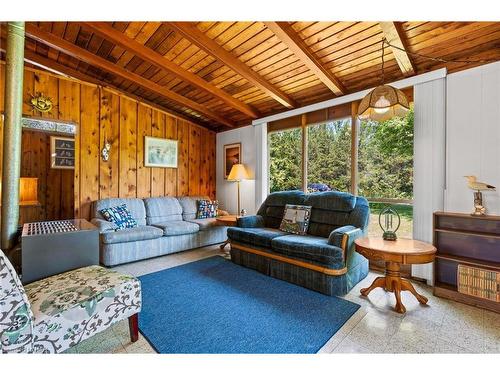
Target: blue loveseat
<point>323,260</point>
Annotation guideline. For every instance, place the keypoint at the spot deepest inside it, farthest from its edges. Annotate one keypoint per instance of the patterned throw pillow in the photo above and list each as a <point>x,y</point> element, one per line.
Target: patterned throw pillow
<point>296,219</point>
<point>207,209</point>
<point>119,215</point>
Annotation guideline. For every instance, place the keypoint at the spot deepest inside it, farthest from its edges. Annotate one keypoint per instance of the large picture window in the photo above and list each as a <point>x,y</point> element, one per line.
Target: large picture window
<point>329,156</point>
<point>285,160</point>
<point>381,156</point>
<point>385,170</point>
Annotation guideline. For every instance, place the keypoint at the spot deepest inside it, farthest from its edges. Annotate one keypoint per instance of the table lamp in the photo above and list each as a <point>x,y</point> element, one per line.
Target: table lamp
<point>238,173</point>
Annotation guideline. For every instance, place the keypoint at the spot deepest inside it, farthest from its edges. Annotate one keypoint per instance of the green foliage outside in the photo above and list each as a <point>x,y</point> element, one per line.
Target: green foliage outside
<point>285,160</point>
<point>329,154</point>
<point>385,157</point>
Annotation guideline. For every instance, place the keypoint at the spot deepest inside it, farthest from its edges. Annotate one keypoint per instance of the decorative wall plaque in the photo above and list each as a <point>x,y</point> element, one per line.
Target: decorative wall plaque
<point>41,103</point>
<point>62,153</point>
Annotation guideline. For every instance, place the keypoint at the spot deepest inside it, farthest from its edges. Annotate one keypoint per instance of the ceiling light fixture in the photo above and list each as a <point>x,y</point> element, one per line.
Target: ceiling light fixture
<point>383,102</point>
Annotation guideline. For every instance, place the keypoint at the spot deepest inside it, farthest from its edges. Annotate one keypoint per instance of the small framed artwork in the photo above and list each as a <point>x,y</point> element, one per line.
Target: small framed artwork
<point>62,153</point>
<point>232,156</point>
<point>160,152</point>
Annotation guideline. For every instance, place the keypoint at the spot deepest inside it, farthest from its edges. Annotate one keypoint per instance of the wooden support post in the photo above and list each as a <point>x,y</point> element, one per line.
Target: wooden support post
<point>355,124</point>
<point>14,72</point>
<point>304,152</point>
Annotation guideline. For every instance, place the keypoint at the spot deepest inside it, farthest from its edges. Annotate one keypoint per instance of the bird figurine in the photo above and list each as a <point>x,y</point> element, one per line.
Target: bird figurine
<point>474,184</point>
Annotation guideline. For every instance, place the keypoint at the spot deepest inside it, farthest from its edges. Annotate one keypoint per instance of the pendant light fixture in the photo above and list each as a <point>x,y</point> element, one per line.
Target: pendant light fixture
<point>383,102</point>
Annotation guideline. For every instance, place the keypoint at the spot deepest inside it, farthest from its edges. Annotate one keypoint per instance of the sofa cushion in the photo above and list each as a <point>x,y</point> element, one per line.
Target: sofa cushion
<point>309,248</point>
<point>273,207</point>
<point>176,228</point>
<point>296,219</point>
<point>120,216</point>
<point>143,232</point>
<point>134,205</point>
<point>331,200</point>
<point>190,205</point>
<point>205,224</point>
<point>207,209</point>
<point>162,209</point>
<point>330,210</point>
<point>254,236</point>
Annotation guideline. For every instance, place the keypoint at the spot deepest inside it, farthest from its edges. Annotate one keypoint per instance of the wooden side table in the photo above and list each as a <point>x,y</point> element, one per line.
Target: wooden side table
<point>228,221</point>
<point>395,253</point>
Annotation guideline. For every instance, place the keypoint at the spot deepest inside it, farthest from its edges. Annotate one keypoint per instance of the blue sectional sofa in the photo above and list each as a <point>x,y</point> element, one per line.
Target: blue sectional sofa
<point>323,260</point>
<point>165,225</point>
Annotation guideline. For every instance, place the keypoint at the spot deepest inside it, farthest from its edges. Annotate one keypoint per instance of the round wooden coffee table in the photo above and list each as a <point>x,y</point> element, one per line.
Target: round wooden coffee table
<point>395,253</point>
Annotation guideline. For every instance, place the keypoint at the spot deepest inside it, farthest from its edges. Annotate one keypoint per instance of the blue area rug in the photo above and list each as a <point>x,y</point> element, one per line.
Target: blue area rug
<point>215,306</point>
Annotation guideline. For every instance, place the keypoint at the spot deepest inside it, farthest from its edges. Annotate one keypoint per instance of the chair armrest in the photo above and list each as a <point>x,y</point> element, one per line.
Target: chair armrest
<point>254,221</point>
<point>222,213</point>
<point>104,225</point>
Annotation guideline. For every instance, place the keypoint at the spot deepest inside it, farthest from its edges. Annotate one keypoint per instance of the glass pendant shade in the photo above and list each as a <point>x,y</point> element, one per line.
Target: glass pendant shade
<point>383,103</point>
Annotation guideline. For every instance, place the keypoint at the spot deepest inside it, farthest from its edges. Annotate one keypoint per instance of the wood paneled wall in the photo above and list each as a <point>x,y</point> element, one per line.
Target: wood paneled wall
<point>125,122</point>
<point>55,186</point>
<point>105,114</point>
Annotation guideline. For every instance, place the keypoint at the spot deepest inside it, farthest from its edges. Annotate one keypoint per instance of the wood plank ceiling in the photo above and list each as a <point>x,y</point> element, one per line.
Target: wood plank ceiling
<point>224,74</point>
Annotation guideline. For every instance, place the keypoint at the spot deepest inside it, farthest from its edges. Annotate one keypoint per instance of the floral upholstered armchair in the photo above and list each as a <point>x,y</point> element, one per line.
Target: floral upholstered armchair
<point>56,313</point>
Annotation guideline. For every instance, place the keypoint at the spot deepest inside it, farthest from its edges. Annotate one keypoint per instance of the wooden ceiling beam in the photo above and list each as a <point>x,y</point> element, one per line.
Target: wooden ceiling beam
<point>189,31</point>
<point>83,55</point>
<point>285,33</point>
<point>394,35</point>
<point>57,68</point>
<point>111,34</point>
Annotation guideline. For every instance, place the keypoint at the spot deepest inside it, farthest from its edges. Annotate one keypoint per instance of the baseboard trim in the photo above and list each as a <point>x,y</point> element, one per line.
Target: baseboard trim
<point>324,270</point>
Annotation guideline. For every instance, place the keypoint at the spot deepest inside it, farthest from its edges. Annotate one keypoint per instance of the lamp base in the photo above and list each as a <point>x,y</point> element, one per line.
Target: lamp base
<point>389,236</point>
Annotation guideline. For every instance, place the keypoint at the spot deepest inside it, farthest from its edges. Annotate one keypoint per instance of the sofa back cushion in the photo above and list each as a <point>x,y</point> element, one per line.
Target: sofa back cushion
<point>162,209</point>
<point>273,208</point>
<point>333,209</point>
<point>190,206</point>
<point>135,207</point>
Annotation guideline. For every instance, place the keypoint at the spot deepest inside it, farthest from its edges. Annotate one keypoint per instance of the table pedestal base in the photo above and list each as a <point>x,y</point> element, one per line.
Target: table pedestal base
<point>393,282</point>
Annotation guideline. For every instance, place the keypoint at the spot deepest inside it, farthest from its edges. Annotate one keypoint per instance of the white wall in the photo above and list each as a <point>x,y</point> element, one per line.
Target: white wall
<point>428,162</point>
<point>227,191</point>
<point>473,136</point>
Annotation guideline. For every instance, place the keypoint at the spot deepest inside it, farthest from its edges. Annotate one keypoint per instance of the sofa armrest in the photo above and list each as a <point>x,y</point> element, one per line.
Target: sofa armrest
<point>222,213</point>
<point>337,235</point>
<point>254,221</point>
<point>104,225</point>
<point>344,237</point>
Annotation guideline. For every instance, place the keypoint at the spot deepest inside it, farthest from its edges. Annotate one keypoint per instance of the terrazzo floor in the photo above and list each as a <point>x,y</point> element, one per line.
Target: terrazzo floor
<point>441,327</point>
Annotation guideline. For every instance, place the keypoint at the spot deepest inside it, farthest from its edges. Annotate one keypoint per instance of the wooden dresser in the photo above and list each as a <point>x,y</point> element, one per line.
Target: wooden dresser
<point>468,248</point>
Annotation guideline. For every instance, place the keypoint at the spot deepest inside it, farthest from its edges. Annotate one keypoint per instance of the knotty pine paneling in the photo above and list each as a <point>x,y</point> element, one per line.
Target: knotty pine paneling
<point>55,186</point>
<point>183,158</point>
<point>105,114</point>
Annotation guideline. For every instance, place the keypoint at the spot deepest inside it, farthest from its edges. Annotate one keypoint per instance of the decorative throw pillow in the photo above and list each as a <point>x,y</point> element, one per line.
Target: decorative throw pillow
<point>207,209</point>
<point>296,219</point>
<point>119,215</point>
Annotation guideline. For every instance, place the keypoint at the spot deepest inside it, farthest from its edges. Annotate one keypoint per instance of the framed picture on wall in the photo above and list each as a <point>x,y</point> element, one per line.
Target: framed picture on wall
<point>62,152</point>
<point>160,152</point>
<point>232,155</point>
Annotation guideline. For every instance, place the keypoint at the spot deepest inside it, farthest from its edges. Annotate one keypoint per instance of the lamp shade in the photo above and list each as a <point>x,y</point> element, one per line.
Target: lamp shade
<point>238,172</point>
<point>382,103</point>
